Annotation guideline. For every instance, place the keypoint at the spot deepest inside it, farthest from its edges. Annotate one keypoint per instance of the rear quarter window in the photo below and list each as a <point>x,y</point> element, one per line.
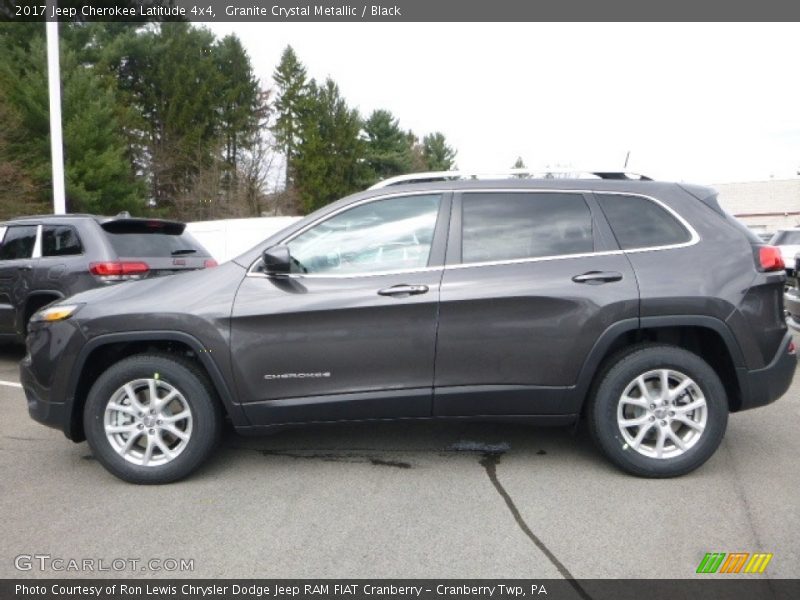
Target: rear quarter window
<point>638,222</point>
<point>60,240</point>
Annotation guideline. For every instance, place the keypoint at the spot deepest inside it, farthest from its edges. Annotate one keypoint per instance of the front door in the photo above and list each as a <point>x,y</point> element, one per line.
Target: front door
<point>350,333</point>
<point>532,280</point>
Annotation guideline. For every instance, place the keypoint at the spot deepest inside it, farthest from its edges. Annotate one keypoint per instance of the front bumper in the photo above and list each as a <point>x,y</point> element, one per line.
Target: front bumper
<point>763,386</point>
<point>46,372</point>
<point>40,408</point>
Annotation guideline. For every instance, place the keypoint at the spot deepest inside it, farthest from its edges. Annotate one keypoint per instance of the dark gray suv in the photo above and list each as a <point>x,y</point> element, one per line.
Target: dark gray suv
<point>638,305</point>
<point>46,258</point>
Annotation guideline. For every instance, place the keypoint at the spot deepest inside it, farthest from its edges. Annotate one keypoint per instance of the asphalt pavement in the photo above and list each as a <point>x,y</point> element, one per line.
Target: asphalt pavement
<point>402,500</point>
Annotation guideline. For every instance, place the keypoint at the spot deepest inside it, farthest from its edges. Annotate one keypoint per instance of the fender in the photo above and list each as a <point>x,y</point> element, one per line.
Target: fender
<point>603,343</point>
<point>233,409</point>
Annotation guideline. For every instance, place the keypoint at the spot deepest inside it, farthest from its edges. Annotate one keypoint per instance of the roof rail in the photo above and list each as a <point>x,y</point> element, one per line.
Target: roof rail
<point>51,216</point>
<point>507,173</point>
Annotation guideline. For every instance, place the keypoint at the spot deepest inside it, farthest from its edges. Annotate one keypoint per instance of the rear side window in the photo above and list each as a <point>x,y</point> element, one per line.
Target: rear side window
<point>641,223</point>
<point>60,240</point>
<point>18,242</point>
<point>499,226</point>
<point>151,245</point>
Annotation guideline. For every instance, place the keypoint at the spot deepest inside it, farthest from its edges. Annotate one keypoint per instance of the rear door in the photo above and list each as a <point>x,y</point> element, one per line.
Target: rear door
<point>16,269</point>
<point>532,280</point>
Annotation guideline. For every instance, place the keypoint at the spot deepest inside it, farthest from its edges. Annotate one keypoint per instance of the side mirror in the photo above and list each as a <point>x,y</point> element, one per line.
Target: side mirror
<point>277,260</point>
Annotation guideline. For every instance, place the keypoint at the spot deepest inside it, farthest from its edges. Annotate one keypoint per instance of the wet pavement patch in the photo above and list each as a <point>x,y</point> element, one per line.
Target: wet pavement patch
<point>378,462</point>
<point>341,457</point>
<point>480,447</point>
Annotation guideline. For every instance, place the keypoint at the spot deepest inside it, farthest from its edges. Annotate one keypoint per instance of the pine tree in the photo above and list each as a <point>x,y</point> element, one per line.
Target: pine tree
<point>439,156</point>
<point>98,173</point>
<point>330,157</point>
<point>241,105</point>
<point>292,92</point>
<point>387,147</point>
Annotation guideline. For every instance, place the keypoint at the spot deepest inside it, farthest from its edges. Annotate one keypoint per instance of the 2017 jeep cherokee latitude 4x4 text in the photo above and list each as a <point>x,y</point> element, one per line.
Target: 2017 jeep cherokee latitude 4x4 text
<point>639,305</point>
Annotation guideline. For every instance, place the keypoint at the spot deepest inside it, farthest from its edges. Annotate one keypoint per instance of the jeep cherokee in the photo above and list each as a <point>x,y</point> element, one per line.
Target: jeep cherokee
<point>638,305</point>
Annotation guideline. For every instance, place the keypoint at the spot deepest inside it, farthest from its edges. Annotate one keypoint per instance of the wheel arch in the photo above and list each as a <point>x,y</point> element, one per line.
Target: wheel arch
<point>706,336</point>
<point>33,302</point>
<point>102,351</point>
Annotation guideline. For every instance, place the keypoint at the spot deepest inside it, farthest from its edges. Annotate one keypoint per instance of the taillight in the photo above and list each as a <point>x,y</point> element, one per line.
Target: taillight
<point>770,258</point>
<point>210,262</point>
<point>118,270</point>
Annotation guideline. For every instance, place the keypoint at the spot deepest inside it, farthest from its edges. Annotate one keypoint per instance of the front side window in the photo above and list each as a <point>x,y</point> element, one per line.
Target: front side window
<point>60,240</point>
<point>641,223</point>
<point>499,226</point>
<point>384,235</point>
<point>18,242</point>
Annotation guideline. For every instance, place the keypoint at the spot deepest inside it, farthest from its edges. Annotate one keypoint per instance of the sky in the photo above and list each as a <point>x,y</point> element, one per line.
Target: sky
<point>704,103</point>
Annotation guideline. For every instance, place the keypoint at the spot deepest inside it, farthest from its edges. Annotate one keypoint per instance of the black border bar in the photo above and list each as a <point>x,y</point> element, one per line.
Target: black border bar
<point>276,11</point>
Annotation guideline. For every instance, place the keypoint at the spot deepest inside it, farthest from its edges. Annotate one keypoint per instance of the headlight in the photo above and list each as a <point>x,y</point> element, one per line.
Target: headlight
<point>59,312</point>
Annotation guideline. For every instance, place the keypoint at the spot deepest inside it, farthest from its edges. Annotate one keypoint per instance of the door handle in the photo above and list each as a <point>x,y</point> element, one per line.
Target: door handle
<point>403,290</point>
<point>25,268</point>
<point>597,277</point>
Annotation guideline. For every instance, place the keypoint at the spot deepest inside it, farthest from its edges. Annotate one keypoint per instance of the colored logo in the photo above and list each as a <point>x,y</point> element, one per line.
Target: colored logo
<point>734,562</point>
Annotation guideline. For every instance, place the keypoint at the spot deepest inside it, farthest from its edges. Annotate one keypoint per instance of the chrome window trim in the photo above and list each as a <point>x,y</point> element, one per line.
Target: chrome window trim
<point>251,270</point>
<point>518,261</point>
<point>345,275</point>
<point>694,236</point>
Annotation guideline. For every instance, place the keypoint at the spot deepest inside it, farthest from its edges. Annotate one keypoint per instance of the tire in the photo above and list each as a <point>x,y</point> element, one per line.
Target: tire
<point>111,418</point>
<point>703,401</point>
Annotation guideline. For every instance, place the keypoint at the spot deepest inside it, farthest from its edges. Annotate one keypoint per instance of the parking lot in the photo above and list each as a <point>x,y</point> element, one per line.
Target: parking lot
<point>404,500</point>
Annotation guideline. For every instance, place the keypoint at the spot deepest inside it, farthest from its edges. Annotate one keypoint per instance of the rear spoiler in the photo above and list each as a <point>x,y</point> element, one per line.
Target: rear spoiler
<point>132,225</point>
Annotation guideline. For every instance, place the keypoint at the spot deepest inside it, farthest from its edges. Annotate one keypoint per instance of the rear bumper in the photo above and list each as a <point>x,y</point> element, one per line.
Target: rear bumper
<point>764,386</point>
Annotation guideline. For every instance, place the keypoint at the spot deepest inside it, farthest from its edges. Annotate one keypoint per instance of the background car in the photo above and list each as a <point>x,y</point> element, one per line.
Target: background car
<point>788,241</point>
<point>49,257</point>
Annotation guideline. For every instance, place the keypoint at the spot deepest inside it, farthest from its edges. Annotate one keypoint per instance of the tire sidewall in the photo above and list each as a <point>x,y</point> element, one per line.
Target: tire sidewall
<point>604,411</point>
<point>205,420</point>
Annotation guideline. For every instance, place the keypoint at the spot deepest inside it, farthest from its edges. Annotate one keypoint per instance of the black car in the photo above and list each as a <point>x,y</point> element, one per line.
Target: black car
<point>46,258</point>
<point>639,305</point>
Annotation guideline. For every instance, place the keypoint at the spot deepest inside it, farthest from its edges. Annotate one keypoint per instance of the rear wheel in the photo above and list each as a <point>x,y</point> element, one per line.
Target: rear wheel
<point>152,418</point>
<point>659,411</point>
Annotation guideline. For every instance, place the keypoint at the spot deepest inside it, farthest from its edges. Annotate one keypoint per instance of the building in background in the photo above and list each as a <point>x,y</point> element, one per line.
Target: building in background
<point>228,238</point>
<point>764,206</point>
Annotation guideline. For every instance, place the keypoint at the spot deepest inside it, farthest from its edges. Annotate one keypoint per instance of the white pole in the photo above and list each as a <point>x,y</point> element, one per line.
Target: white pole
<point>56,140</point>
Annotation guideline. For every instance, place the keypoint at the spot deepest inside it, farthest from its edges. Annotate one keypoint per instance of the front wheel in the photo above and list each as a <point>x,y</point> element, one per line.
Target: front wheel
<point>152,418</point>
<point>659,411</point>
